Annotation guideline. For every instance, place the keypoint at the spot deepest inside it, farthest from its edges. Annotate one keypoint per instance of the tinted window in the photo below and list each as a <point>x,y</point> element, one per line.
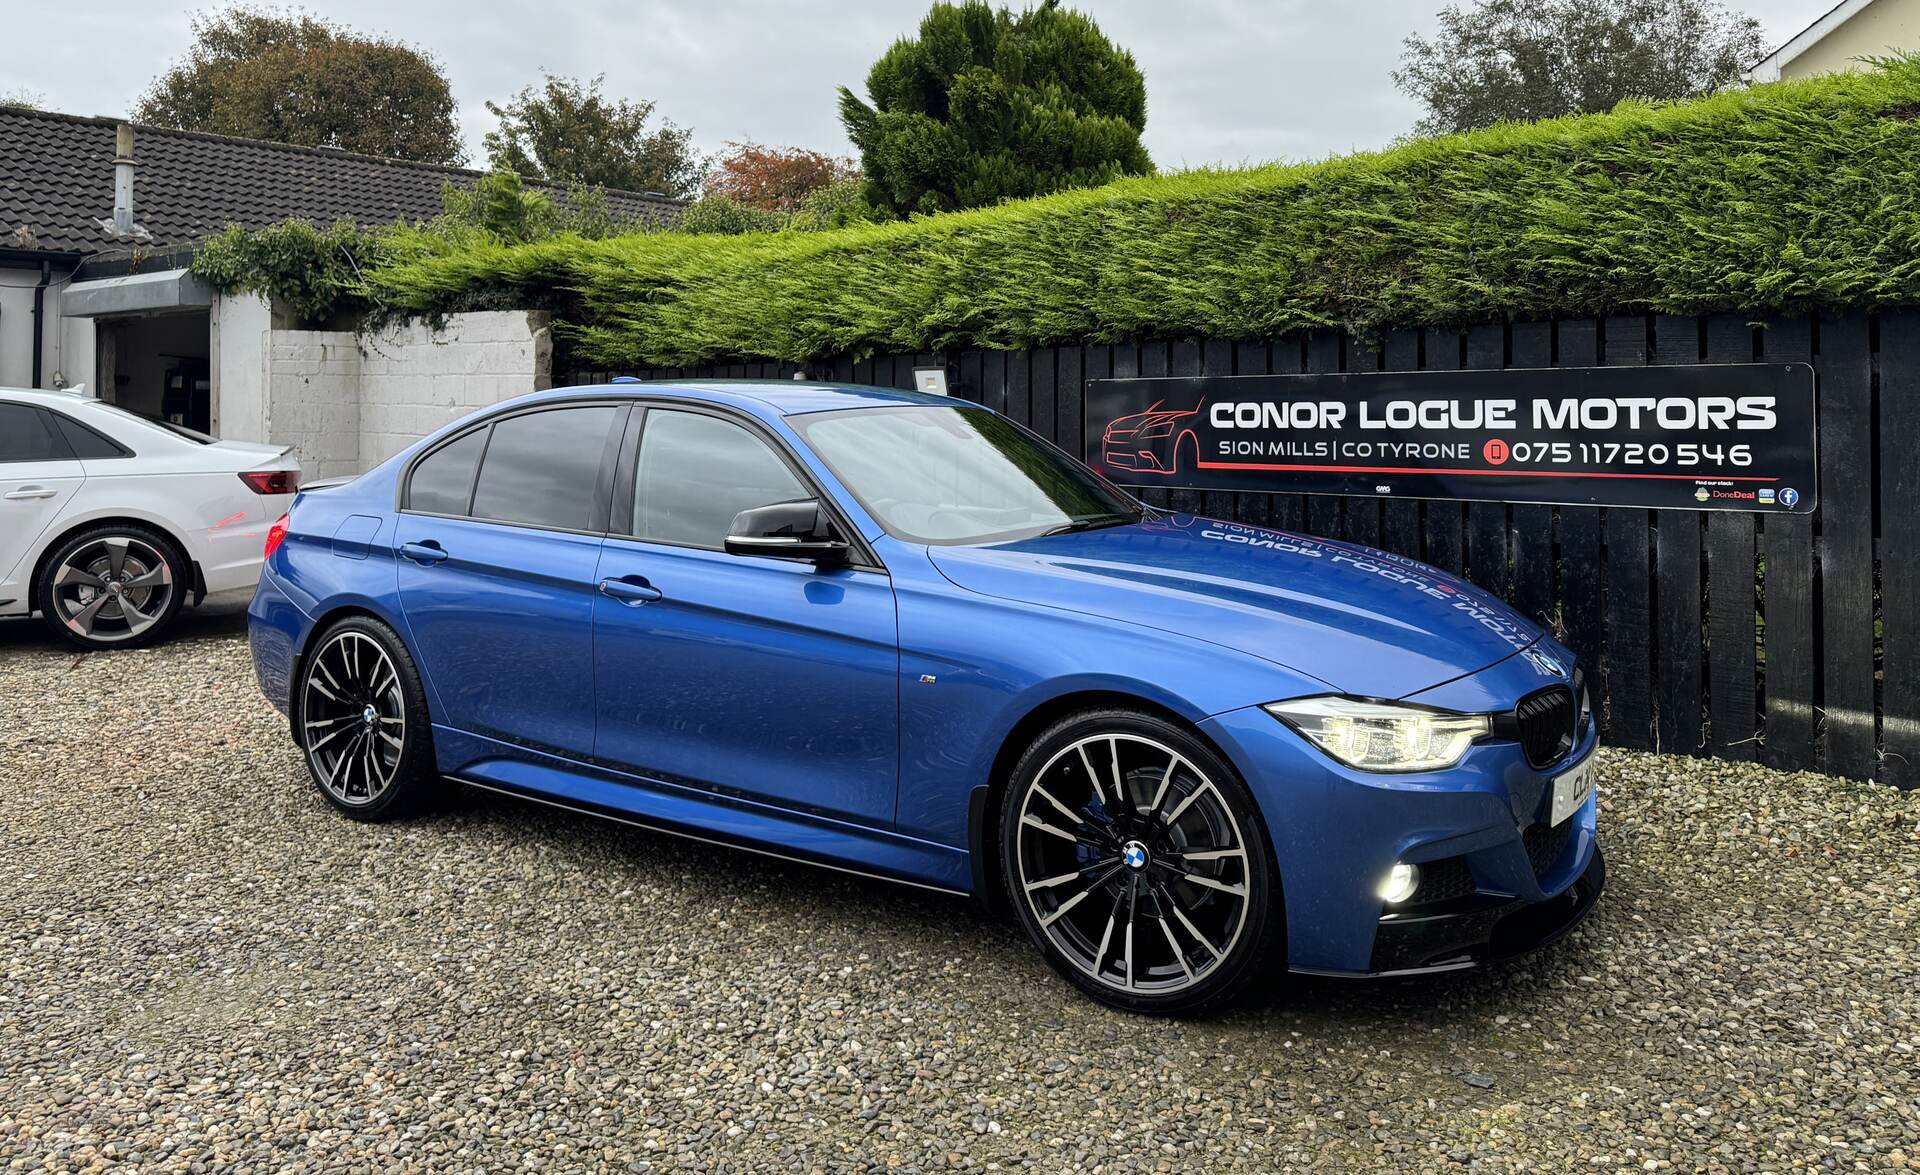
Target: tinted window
<point>541,468</point>
<point>696,472</point>
<point>958,475</point>
<point>86,444</point>
<point>25,436</point>
<point>179,430</point>
<point>153,423</point>
<point>443,481</point>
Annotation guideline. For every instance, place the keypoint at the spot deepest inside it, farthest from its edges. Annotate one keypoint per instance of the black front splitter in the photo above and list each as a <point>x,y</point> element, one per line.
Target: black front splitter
<point>1475,937</point>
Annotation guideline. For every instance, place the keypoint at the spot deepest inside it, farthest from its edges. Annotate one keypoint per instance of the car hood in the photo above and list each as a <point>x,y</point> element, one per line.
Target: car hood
<point>1363,621</point>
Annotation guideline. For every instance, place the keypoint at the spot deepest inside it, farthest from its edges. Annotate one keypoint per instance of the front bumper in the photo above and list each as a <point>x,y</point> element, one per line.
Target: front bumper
<point>1516,883</point>
<point>1126,453</point>
<point>1482,929</point>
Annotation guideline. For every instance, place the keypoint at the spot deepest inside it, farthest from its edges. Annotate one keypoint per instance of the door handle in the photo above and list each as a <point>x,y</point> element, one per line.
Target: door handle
<point>632,591</point>
<point>428,552</point>
<point>30,492</point>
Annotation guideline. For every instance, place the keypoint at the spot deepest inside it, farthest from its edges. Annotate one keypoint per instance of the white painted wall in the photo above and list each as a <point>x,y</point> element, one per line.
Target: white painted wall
<point>237,328</point>
<point>347,402</point>
<point>312,378</point>
<point>67,343</point>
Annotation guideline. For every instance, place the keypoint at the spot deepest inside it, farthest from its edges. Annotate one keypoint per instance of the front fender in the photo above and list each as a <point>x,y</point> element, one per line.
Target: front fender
<point>962,696</point>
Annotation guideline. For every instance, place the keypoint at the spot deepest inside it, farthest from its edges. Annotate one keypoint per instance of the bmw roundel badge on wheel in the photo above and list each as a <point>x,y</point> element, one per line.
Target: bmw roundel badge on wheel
<point>898,634</point>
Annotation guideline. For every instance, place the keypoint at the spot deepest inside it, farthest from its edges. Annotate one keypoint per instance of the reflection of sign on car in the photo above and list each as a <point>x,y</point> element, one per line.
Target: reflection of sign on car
<point>1153,442</point>
<point>1695,436</point>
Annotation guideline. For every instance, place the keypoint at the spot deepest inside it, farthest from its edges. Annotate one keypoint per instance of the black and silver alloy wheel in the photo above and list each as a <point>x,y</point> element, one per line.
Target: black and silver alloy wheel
<point>353,719</point>
<point>1131,860</point>
<point>112,587</point>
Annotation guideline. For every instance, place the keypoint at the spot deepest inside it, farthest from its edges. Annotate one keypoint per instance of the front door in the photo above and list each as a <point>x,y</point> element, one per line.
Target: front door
<point>765,679</point>
<point>497,544</point>
<point>38,476</point>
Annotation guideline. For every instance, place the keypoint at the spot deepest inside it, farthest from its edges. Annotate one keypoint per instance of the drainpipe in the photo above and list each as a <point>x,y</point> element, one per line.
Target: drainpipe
<point>39,309</point>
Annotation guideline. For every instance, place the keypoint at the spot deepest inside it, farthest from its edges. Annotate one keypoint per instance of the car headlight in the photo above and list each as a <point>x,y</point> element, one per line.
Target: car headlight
<point>1157,428</point>
<point>1382,736</point>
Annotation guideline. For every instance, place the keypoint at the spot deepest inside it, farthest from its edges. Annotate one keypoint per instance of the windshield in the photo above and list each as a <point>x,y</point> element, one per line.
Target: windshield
<point>959,475</point>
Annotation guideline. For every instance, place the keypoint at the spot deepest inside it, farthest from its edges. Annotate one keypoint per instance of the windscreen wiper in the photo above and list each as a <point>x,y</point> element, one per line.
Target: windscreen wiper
<point>1091,522</point>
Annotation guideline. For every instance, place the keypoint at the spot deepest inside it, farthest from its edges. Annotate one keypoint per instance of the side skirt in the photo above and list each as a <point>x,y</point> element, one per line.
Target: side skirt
<point>701,816</point>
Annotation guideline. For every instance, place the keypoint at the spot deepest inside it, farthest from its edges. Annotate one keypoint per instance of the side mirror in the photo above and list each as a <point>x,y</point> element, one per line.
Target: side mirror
<point>786,530</point>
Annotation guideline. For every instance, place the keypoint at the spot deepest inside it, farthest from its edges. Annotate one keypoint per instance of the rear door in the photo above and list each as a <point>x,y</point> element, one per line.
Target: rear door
<point>499,535</point>
<point>38,477</point>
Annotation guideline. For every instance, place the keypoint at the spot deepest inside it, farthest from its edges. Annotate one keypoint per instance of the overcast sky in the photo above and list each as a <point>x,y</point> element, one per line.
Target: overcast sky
<point>1228,81</point>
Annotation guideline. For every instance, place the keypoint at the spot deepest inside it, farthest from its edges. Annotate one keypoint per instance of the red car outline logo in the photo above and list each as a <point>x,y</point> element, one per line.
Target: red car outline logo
<point>1152,442</point>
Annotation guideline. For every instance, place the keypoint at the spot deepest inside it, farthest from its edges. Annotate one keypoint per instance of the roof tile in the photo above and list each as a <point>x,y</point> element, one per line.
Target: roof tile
<point>56,181</point>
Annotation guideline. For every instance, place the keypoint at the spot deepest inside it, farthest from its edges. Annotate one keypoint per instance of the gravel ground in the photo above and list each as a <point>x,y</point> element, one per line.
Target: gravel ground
<point>206,969</point>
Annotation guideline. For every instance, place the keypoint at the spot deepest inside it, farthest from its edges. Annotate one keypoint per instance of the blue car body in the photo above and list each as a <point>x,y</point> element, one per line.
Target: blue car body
<point>858,716</point>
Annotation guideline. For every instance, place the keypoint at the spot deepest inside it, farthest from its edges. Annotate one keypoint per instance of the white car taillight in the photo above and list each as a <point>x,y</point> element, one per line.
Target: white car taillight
<point>272,481</point>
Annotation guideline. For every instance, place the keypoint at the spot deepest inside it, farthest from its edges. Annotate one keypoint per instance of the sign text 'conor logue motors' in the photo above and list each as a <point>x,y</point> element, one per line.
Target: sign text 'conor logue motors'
<point>1701,437</point>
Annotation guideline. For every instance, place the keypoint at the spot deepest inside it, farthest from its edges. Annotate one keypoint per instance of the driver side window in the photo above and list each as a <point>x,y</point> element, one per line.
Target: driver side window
<point>696,472</point>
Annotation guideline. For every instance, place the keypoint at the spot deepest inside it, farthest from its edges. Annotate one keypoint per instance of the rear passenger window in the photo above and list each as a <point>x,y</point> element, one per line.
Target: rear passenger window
<point>26,436</point>
<point>87,444</point>
<point>542,468</point>
<point>443,480</point>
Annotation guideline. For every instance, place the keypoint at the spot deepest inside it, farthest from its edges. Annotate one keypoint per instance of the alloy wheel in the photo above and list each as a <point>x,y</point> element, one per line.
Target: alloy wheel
<point>353,718</point>
<point>1133,864</point>
<point>113,589</point>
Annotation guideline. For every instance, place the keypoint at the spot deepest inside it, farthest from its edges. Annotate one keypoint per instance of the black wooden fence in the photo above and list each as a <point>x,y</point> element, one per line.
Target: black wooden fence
<point>1790,639</point>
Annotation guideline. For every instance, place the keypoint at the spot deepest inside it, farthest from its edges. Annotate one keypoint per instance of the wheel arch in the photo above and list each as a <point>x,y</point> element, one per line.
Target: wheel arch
<point>1190,439</point>
<point>96,522</point>
<point>983,802</point>
<point>333,615</point>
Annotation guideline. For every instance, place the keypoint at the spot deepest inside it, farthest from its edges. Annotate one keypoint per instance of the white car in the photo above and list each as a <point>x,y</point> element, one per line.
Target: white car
<point>109,521</point>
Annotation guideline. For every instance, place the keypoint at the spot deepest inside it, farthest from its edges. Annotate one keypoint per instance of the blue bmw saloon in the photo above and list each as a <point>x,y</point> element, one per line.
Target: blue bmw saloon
<point>901,635</point>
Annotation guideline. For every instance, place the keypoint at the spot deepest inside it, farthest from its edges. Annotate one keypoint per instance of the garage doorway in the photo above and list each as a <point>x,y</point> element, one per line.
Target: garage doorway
<point>158,365</point>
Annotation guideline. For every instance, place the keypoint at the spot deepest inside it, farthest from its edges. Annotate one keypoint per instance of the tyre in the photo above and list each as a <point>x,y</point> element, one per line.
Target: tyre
<point>1139,865</point>
<point>113,586</point>
<point>360,717</point>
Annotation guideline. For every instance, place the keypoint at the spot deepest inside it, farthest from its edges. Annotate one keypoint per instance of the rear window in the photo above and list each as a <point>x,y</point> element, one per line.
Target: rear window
<point>153,422</point>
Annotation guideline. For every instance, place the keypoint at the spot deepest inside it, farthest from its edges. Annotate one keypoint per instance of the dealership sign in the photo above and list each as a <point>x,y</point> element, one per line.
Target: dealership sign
<point>1701,437</point>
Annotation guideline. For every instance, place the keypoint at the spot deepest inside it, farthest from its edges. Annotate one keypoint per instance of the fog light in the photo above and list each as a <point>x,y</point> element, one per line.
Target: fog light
<point>1399,883</point>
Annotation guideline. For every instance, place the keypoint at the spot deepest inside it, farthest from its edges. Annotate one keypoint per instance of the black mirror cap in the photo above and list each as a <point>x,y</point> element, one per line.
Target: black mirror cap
<point>787,530</point>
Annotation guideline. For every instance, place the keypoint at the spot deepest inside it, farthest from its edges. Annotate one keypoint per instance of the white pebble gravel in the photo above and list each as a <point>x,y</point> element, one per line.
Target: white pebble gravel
<point>203,968</point>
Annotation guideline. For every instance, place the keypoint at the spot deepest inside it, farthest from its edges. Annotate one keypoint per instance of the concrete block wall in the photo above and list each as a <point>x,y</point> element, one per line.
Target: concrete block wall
<point>415,379</point>
<point>313,398</point>
<point>347,402</point>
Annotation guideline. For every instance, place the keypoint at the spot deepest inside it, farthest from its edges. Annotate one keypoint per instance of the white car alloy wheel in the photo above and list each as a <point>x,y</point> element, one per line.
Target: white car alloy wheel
<point>353,718</point>
<point>1132,864</point>
<point>113,588</point>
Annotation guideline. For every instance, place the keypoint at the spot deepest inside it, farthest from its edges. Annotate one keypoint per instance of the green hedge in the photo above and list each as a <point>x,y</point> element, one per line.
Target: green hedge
<point>1775,199</point>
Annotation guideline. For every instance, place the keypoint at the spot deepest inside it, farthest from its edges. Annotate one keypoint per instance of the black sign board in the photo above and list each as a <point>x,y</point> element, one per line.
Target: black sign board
<point>1700,437</point>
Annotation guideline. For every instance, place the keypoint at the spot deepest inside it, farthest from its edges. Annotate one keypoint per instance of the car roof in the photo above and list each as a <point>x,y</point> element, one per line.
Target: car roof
<point>779,397</point>
<point>50,396</point>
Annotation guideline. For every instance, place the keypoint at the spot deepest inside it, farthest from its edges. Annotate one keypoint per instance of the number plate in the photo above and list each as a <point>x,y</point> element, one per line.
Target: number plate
<point>1570,790</point>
